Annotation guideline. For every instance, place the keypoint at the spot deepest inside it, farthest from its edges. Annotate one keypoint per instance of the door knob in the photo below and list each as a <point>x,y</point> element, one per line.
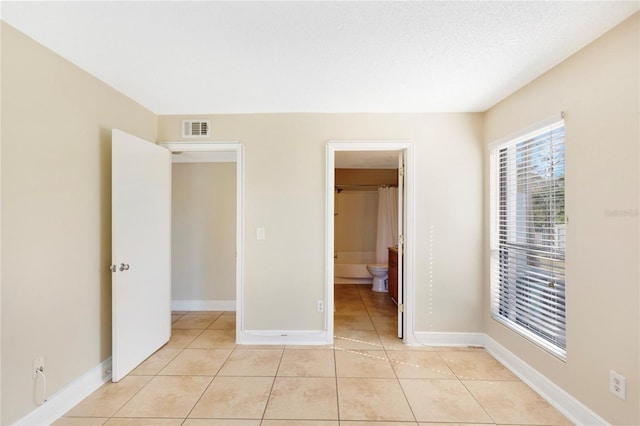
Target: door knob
<point>124,267</point>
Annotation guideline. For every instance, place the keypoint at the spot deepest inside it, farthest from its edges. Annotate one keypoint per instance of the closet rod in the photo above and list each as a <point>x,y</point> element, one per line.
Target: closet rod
<point>340,188</point>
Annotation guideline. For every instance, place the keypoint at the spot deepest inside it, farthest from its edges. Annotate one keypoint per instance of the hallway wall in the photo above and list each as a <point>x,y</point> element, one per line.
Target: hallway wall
<point>285,194</point>
<point>203,232</point>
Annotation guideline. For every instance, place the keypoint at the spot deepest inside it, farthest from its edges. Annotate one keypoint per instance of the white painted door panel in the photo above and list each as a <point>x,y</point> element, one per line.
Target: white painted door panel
<point>141,250</point>
<point>401,236</point>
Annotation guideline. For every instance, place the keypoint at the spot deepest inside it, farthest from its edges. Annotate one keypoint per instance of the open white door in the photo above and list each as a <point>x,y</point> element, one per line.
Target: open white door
<point>141,250</point>
<point>400,243</point>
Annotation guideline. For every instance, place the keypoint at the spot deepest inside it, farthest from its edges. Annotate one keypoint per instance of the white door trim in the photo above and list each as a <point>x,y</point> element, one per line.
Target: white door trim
<point>238,149</point>
<point>334,146</point>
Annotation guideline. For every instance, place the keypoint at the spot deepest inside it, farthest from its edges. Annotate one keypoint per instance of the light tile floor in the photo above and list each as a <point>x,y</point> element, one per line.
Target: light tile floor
<point>201,377</point>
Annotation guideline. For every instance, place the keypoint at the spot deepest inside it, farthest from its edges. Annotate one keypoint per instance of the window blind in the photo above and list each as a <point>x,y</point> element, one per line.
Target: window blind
<point>528,235</point>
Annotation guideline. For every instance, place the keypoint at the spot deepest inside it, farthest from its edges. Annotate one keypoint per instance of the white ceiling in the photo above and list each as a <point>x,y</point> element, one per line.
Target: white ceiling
<point>248,57</point>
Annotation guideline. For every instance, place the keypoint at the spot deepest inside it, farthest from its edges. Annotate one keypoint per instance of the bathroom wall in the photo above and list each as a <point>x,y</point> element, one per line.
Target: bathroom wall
<point>355,221</point>
<point>203,226</point>
<point>356,207</point>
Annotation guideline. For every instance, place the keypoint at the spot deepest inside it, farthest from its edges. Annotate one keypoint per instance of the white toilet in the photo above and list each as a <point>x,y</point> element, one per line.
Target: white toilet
<point>380,272</point>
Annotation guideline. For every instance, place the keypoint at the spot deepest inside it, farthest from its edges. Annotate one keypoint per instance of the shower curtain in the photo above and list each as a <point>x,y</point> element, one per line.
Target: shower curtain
<point>387,222</point>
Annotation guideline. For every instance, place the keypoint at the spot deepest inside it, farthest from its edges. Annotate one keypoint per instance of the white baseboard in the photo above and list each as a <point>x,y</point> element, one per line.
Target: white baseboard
<point>69,396</point>
<point>449,339</point>
<point>573,409</point>
<point>203,305</point>
<point>284,337</point>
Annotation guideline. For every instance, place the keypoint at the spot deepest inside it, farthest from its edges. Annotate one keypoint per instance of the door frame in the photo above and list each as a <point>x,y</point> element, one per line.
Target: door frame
<point>332,147</point>
<point>237,148</point>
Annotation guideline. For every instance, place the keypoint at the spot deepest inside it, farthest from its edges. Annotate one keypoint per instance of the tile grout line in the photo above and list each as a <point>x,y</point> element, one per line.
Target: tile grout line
<point>466,388</point>
<point>273,384</point>
<point>212,378</point>
<point>113,416</point>
<point>395,374</point>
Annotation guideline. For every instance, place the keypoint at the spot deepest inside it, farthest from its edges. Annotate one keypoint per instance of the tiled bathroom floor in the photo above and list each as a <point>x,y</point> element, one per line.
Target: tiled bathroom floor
<point>201,377</point>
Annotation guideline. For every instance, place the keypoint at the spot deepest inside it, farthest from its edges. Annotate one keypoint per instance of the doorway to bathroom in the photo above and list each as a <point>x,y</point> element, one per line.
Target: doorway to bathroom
<point>360,174</point>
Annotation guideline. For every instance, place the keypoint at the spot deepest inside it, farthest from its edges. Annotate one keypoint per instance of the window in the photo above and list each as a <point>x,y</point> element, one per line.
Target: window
<point>528,234</point>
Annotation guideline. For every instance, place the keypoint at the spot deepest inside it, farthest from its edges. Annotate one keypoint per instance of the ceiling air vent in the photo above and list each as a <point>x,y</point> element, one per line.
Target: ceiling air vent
<point>195,128</point>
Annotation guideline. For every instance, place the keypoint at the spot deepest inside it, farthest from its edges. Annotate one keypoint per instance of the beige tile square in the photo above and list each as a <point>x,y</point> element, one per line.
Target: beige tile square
<point>376,299</point>
<point>143,422</point>
<point>215,339</point>
<point>350,289</point>
<point>346,311</point>
<point>182,338</point>
<point>303,398</point>
<point>372,400</point>
<point>272,347</point>
<point>109,398</point>
<point>220,422</point>
<point>224,322</point>
<point>476,365</point>
<point>443,401</point>
<point>234,397</point>
<point>252,362</point>
<point>197,321</point>
<point>457,424</point>
<point>379,423</point>
<point>348,299</point>
<point>156,362</point>
<point>80,421</point>
<point>513,402</point>
<point>196,362</point>
<point>308,347</point>
<point>419,365</point>
<point>166,396</point>
<point>350,308</point>
<point>353,322</point>
<point>357,339</point>
<point>385,322</point>
<point>300,423</point>
<point>307,363</point>
<point>382,310</point>
<point>391,342</point>
<point>362,363</point>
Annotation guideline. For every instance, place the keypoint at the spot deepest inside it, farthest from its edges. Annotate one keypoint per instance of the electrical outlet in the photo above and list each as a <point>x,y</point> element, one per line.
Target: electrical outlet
<point>618,384</point>
<point>320,305</point>
<point>37,365</point>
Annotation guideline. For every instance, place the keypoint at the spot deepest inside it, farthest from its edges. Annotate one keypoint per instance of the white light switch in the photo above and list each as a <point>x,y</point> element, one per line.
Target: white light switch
<point>261,234</point>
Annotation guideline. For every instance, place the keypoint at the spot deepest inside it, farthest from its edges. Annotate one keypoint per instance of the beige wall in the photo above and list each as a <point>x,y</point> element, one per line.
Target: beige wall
<point>203,231</point>
<point>285,190</point>
<point>598,88</point>
<point>56,126</point>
